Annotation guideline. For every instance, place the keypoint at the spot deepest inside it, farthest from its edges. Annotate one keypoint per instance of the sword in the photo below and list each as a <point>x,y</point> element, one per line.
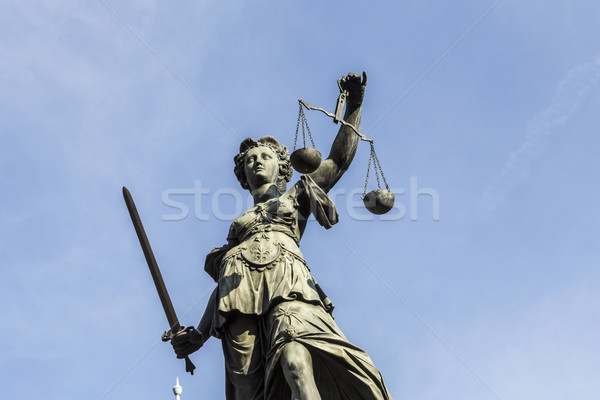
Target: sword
<point>165,300</point>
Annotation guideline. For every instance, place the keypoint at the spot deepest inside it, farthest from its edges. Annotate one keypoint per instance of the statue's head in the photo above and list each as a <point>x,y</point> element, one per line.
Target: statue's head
<point>263,161</point>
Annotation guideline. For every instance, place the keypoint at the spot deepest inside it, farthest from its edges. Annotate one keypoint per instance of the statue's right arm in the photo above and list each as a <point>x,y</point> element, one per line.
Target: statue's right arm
<point>345,143</point>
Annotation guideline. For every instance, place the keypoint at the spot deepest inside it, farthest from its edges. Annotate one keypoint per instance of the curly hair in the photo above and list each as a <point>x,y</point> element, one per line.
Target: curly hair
<point>283,155</point>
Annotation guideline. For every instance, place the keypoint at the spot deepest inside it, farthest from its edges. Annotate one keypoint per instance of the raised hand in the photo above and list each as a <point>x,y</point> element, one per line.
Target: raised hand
<point>352,84</point>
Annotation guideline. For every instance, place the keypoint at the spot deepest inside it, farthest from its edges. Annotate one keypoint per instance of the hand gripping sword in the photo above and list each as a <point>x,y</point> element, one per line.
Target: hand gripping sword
<point>156,276</point>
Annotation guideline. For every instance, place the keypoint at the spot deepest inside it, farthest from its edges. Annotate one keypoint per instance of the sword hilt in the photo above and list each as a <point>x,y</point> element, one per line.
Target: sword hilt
<point>167,336</point>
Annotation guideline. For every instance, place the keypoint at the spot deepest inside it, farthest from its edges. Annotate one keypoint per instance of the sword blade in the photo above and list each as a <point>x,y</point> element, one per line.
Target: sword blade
<point>156,276</point>
<point>152,265</point>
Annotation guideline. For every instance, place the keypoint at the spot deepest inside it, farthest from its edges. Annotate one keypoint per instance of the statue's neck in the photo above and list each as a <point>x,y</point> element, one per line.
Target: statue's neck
<point>264,193</point>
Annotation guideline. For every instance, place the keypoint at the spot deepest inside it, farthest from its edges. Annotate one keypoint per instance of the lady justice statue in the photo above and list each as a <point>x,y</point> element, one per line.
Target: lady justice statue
<point>275,324</point>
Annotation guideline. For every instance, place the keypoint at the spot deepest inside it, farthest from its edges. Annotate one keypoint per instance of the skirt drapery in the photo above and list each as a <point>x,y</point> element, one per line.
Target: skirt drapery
<point>259,311</point>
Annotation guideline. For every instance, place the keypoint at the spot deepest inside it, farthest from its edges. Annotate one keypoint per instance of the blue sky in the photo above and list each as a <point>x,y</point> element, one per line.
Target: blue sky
<point>496,299</point>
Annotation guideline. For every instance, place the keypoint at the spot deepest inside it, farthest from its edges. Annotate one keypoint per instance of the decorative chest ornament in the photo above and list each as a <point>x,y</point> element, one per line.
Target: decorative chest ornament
<point>261,250</point>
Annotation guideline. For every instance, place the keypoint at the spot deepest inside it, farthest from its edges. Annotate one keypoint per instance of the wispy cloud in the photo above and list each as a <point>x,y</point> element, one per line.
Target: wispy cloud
<point>572,91</point>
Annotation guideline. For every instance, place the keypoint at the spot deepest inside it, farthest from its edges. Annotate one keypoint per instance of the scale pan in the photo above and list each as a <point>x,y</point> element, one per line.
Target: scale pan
<point>379,201</point>
<point>306,160</point>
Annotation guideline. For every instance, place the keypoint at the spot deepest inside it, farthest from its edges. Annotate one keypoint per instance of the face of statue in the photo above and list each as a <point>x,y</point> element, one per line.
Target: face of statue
<point>261,166</point>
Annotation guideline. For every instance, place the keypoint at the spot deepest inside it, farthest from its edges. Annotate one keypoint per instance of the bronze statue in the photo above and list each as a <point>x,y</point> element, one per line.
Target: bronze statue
<point>278,335</point>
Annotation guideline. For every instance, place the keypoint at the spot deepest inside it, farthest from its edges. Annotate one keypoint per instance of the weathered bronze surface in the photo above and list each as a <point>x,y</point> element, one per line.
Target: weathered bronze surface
<point>306,160</point>
<point>275,323</point>
<point>379,201</point>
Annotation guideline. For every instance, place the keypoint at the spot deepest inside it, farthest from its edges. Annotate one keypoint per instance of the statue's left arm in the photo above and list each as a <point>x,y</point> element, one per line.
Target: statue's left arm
<point>345,143</point>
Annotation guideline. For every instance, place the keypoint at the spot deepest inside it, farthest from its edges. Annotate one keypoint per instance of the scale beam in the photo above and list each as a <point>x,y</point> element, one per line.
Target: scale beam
<point>309,107</point>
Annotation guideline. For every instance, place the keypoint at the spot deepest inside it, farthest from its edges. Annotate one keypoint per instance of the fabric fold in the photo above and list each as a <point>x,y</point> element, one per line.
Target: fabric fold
<point>321,205</point>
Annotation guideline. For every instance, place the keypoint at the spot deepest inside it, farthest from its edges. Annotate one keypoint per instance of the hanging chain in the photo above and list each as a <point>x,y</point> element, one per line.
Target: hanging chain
<point>303,123</point>
<point>375,165</point>
<point>308,130</point>
<point>302,120</point>
<point>368,170</point>
<point>298,126</point>
<point>378,171</point>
